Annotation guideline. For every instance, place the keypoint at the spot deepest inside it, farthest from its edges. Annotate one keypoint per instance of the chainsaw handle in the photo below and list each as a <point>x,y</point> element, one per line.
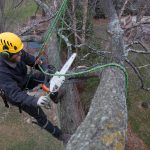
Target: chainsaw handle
<point>45,88</point>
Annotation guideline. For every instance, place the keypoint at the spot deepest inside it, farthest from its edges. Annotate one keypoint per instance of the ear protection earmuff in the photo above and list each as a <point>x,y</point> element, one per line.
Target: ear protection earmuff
<point>5,54</point>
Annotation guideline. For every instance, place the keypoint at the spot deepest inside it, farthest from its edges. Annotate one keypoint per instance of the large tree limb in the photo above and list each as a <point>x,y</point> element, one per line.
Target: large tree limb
<point>105,125</point>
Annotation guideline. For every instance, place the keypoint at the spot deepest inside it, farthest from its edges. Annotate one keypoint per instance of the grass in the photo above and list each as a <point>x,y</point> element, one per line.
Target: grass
<point>17,134</point>
<point>138,117</point>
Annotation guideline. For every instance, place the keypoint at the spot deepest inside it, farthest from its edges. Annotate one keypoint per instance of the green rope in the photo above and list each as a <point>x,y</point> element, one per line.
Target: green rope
<point>50,30</point>
<point>94,69</point>
<point>52,26</point>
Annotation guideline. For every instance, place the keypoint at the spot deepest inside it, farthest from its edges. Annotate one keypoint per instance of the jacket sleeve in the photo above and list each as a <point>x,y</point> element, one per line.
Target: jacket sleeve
<point>27,58</point>
<point>16,95</point>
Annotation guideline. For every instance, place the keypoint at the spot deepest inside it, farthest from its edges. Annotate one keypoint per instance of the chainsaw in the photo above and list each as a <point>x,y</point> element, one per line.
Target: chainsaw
<point>58,79</point>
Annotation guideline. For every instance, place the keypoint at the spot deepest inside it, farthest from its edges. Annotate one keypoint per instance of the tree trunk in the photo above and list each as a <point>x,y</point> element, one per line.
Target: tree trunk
<point>74,22</point>
<point>85,11</point>
<point>105,125</point>
<point>71,112</point>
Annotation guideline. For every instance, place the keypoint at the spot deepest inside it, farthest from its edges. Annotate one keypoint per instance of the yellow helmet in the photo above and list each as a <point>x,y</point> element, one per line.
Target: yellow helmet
<point>10,42</point>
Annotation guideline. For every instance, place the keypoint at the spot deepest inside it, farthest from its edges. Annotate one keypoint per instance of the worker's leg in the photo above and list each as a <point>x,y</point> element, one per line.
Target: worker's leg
<point>39,115</point>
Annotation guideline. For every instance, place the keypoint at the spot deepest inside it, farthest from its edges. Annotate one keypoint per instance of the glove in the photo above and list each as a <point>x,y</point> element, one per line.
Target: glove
<point>38,62</point>
<point>44,101</point>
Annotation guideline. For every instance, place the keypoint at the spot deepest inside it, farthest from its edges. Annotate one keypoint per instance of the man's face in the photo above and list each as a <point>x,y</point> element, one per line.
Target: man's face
<point>16,57</point>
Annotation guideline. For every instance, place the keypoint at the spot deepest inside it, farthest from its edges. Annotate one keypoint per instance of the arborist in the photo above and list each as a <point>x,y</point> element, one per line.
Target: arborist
<point>14,78</point>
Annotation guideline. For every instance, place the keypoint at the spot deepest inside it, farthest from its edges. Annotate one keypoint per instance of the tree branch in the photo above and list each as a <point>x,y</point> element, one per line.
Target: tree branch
<point>137,42</point>
<point>137,72</point>
<point>139,52</point>
<point>32,26</point>
<point>45,7</point>
<point>18,4</point>
<point>123,8</point>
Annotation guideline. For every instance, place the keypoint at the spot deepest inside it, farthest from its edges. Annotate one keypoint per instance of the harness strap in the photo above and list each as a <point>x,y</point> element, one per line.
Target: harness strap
<point>2,94</point>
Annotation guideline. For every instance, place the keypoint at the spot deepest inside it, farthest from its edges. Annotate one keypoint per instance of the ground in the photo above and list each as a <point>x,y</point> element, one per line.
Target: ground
<point>18,132</point>
<point>134,142</point>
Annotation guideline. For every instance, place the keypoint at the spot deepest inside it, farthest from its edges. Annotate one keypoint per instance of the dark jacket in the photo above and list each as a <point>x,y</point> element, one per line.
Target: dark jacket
<point>13,78</point>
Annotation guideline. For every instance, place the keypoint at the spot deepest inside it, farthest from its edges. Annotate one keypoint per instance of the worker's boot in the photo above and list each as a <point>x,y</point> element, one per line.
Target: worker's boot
<point>54,130</point>
<point>57,96</point>
<point>64,137</point>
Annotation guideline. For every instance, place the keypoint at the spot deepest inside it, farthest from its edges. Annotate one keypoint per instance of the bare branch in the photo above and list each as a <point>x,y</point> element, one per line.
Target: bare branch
<point>100,52</point>
<point>142,7</point>
<point>19,4</point>
<point>144,66</point>
<point>69,45</point>
<point>123,8</point>
<point>30,27</point>
<point>45,7</point>
<point>137,72</point>
<point>138,24</point>
<point>137,42</point>
<point>140,52</point>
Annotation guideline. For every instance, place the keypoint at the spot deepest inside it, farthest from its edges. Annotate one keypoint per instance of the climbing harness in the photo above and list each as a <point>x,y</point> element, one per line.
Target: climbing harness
<point>3,95</point>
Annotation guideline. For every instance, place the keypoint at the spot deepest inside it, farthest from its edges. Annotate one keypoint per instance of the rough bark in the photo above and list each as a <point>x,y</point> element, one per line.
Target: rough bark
<point>105,125</point>
<point>116,32</point>
<point>71,110</point>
